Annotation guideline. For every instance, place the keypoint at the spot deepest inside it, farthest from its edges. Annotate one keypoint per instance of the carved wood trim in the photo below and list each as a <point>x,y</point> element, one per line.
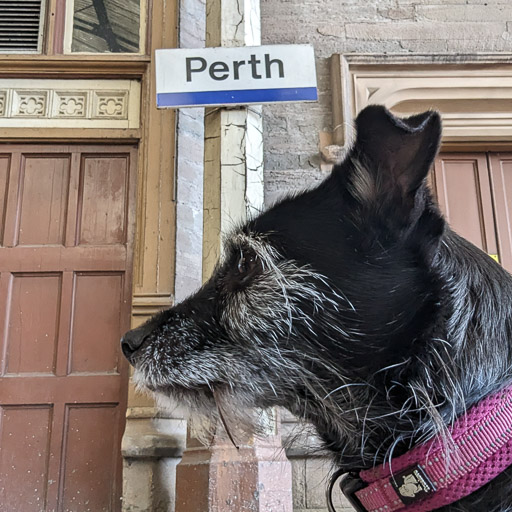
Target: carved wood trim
<point>146,305</point>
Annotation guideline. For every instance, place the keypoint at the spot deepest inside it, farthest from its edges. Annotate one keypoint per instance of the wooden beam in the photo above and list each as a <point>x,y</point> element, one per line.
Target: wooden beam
<point>72,66</point>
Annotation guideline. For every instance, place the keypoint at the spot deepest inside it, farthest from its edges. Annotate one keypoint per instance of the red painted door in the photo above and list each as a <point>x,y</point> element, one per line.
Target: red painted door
<point>66,244</point>
<point>500,165</point>
<point>464,195</point>
<point>474,191</point>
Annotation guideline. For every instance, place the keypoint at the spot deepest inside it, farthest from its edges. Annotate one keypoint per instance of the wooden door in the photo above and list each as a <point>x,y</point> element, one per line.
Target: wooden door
<point>66,244</point>
<point>474,191</point>
<point>463,191</point>
<point>500,165</point>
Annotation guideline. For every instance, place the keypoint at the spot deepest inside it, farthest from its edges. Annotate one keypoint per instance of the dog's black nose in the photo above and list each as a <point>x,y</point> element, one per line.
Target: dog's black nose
<point>132,341</point>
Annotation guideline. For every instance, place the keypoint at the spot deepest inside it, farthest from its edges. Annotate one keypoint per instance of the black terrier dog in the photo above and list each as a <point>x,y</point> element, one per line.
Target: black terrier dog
<point>354,306</point>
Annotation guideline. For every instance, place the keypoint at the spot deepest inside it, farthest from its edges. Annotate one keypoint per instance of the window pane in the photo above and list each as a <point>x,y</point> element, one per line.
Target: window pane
<point>106,26</point>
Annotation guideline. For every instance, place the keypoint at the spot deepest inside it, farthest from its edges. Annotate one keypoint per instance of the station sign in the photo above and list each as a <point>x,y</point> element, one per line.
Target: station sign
<point>235,76</point>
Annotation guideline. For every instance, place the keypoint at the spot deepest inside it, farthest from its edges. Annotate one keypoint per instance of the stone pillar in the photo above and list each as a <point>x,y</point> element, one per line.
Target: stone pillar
<point>254,476</point>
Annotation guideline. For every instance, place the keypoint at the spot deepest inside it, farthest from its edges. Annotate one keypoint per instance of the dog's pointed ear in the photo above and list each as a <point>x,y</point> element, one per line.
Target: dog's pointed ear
<point>396,153</point>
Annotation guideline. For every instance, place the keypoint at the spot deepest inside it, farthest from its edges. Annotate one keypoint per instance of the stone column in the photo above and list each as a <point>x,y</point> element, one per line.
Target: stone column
<point>254,476</point>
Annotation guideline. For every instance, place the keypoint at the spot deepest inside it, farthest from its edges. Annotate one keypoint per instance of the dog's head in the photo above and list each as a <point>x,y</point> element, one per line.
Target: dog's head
<point>318,294</point>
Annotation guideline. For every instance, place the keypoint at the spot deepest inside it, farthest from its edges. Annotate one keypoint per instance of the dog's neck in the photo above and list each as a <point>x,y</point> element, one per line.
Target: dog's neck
<point>464,359</point>
<point>475,451</point>
<point>461,361</point>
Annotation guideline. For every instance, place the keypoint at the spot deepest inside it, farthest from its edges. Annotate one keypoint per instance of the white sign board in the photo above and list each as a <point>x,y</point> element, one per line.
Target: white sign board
<point>235,76</point>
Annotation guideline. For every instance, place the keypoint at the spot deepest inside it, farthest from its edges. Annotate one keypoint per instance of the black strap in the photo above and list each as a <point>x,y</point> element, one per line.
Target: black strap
<point>349,485</point>
<point>330,487</point>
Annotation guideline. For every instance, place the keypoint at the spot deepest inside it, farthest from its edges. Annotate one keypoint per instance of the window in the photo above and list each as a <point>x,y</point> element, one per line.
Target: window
<point>21,26</point>
<point>104,26</point>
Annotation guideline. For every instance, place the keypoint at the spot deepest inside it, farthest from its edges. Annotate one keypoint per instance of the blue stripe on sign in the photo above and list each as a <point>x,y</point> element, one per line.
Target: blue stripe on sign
<point>175,99</point>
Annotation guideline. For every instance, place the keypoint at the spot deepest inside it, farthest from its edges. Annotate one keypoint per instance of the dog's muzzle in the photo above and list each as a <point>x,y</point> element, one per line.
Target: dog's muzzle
<point>132,341</point>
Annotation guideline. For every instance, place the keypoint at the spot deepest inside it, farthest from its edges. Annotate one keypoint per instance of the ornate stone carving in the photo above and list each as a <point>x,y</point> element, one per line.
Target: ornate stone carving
<point>112,105</point>
<point>31,103</point>
<point>71,105</point>
<point>473,93</point>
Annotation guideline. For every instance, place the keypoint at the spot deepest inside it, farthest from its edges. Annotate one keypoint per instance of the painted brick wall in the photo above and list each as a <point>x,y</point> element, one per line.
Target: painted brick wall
<point>189,166</point>
<point>361,26</point>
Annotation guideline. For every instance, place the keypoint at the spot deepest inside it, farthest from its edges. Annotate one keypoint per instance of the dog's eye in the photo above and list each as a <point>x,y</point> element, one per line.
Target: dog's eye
<point>247,262</point>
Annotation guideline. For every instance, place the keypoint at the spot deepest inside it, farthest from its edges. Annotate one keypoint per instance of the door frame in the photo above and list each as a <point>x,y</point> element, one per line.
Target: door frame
<point>155,136</point>
<point>415,82</point>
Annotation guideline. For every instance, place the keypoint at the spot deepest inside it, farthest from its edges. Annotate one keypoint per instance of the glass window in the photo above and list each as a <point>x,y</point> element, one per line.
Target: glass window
<point>106,26</point>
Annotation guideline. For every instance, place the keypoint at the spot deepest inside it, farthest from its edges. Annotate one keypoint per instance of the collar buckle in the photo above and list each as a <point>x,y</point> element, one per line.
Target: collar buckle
<point>349,485</point>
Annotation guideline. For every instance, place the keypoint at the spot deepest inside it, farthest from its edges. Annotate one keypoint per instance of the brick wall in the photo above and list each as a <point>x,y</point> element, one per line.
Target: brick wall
<point>357,26</point>
<point>311,468</point>
<point>189,166</point>
<point>292,131</point>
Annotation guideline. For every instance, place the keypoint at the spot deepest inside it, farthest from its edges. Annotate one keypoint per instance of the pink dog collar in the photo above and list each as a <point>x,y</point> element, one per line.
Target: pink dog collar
<point>429,476</point>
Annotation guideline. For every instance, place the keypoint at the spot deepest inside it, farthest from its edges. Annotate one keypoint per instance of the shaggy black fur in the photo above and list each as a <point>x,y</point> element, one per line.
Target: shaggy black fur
<point>353,305</point>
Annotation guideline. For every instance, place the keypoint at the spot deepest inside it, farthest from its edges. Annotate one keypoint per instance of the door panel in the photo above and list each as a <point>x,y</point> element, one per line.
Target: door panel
<point>95,345</point>
<point>65,289</point>
<point>103,200</point>
<point>43,199</point>
<point>88,457</point>
<point>501,177</point>
<point>5,165</point>
<point>463,191</point>
<point>24,429</point>
<point>33,325</point>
